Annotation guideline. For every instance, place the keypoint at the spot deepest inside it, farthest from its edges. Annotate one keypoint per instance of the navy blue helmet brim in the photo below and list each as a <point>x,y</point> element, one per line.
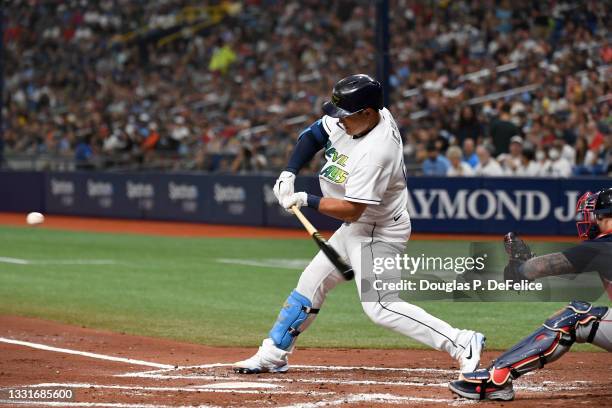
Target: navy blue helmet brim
<point>330,109</point>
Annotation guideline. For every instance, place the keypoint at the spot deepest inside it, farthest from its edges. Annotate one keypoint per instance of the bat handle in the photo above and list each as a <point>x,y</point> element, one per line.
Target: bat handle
<point>298,213</point>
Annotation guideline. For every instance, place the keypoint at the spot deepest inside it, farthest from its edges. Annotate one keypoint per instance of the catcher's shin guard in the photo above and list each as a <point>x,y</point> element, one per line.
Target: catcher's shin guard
<point>549,342</point>
<point>294,313</point>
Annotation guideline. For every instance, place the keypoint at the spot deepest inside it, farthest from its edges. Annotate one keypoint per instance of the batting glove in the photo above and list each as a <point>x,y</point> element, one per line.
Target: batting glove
<point>298,199</point>
<point>284,186</point>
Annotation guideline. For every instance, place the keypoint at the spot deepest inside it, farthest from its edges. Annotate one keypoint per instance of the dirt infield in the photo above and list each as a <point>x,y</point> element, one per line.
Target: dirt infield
<point>129,371</point>
<point>184,229</point>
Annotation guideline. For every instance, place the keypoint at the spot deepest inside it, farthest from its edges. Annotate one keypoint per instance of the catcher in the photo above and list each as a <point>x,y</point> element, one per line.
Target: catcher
<point>578,322</point>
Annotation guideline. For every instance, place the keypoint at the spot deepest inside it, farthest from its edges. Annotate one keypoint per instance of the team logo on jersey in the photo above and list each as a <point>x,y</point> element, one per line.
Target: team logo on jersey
<point>334,173</point>
<point>332,154</point>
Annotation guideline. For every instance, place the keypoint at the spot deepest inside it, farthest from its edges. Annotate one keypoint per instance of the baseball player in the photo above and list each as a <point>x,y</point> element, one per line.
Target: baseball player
<point>578,322</point>
<point>363,183</point>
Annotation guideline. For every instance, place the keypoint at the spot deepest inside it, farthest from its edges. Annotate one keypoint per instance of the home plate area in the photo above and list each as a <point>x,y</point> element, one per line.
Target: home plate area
<point>311,385</point>
<point>216,385</point>
<point>305,386</point>
<point>105,369</point>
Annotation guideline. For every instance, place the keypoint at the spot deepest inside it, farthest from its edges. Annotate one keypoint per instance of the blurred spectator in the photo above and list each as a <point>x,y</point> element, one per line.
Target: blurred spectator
<point>151,138</point>
<point>83,154</point>
<point>487,166</point>
<point>543,163</point>
<point>528,166</point>
<point>502,130</point>
<point>435,164</point>
<point>582,148</point>
<point>457,166</point>
<point>469,126</point>
<point>603,161</point>
<point>559,165</point>
<point>469,153</point>
<point>510,162</point>
<point>221,59</point>
<point>566,151</point>
<point>248,160</point>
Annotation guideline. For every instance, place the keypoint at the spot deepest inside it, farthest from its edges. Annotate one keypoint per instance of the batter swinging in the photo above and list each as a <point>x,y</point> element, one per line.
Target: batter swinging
<point>364,184</point>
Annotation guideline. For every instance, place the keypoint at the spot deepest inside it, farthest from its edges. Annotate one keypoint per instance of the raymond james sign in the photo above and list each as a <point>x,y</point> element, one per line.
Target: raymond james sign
<point>485,205</point>
<point>519,205</point>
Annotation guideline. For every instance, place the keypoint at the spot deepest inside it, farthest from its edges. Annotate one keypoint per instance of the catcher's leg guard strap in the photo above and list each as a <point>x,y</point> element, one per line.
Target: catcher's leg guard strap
<point>294,312</point>
<point>593,331</point>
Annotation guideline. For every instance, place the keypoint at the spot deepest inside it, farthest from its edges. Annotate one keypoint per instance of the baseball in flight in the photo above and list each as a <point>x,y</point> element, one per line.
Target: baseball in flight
<point>35,218</point>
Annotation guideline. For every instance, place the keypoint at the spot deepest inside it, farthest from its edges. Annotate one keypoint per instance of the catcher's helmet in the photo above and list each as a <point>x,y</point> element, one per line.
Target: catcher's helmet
<point>590,207</point>
<point>354,94</point>
<point>603,205</point>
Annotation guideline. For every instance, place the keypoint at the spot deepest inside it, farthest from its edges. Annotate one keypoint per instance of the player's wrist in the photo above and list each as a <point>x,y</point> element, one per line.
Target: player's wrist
<point>313,201</point>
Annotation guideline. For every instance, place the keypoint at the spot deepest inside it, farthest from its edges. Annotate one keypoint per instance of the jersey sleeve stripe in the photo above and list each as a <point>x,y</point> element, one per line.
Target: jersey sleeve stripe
<point>362,200</point>
<point>326,126</point>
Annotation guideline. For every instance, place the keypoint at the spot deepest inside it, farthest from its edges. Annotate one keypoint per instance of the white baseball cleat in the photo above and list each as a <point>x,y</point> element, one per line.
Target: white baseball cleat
<point>470,359</point>
<point>268,359</point>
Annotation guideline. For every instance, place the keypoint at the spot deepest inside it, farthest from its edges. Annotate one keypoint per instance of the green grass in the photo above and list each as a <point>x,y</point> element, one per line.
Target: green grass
<point>176,288</point>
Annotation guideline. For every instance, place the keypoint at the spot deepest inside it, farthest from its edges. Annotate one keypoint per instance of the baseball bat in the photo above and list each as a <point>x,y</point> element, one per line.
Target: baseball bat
<point>322,243</point>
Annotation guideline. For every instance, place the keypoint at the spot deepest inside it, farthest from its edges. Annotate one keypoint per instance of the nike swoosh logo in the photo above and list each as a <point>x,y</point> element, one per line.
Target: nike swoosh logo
<point>397,217</point>
<point>470,356</point>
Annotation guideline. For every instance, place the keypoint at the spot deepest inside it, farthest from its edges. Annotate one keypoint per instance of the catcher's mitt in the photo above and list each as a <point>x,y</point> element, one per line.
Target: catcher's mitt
<point>518,252</point>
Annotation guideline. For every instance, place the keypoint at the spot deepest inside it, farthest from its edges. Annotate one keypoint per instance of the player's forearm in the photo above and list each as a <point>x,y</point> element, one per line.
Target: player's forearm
<point>547,265</point>
<point>341,209</point>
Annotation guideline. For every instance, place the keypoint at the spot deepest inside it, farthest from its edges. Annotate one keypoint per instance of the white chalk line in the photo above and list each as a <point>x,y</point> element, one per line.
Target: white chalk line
<point>21,261</point>
<point>85,353</point>
<point>358,382</point>
<point>178,377</point>
<point>297,264</point>
<point>238,385</point>
<point>287,380</point>
<point>546,385</point>
<point>370,368</point>
<point>165,370</point>
<point>196,389</point>
<point>296,367</point>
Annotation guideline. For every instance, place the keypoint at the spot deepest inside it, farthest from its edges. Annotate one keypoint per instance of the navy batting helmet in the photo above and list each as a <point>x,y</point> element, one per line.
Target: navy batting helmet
<point>354,94</point>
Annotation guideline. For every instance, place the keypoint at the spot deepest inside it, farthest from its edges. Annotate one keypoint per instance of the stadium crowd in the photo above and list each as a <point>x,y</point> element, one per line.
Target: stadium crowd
<point>479,88</point>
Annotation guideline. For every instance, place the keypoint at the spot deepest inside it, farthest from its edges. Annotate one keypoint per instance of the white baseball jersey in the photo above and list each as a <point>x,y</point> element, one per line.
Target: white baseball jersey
<point>368,169</point>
